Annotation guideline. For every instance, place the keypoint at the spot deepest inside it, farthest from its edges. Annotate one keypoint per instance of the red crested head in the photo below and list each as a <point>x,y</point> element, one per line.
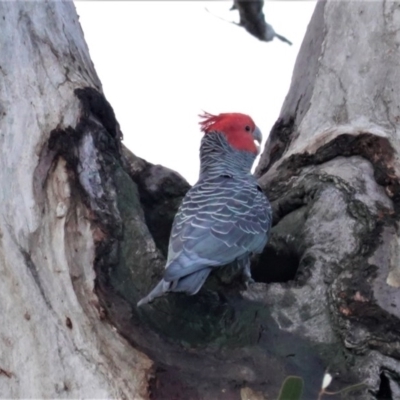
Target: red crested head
<point>239,129</point>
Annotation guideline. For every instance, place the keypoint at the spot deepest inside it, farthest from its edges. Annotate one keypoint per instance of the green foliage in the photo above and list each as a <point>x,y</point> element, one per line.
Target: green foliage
<point>292,388</point>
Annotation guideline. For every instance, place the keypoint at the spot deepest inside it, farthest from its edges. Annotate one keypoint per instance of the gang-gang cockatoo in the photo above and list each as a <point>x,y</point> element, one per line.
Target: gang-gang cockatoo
<point>225,217</point>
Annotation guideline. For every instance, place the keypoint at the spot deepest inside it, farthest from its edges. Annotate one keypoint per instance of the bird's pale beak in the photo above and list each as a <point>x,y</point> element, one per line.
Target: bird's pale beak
<point>257,136</point>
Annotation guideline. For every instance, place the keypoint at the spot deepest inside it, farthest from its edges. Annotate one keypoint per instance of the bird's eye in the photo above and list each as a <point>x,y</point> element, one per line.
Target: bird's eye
<point>248,129</point>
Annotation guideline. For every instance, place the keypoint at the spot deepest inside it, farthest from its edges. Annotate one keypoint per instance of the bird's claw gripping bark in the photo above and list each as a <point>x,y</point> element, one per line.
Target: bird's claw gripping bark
<point>247,278</point>
<point>248,282</point>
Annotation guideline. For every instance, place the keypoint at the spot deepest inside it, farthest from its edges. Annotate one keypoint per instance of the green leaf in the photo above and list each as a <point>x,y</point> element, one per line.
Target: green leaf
<point>292,388</point>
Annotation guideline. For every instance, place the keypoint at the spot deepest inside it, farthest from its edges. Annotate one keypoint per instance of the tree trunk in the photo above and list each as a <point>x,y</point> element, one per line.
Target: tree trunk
<point>331,169</point>
<point>54,340</point>
<point>84,226</point>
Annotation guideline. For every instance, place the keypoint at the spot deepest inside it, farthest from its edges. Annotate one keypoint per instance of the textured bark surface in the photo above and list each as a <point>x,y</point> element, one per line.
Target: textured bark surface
<point>331,169</point>
<point>54,342</point>
<point>84,226</point>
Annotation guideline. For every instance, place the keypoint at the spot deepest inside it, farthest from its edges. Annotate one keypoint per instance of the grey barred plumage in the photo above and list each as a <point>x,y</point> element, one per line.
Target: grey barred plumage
<point>224,217</point>
<point>217,157</point>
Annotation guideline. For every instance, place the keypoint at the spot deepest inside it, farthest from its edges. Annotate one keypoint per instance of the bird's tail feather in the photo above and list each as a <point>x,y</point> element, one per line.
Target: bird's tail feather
<point>192,283</point>
<point>189,284</point>
<point>161,288</point>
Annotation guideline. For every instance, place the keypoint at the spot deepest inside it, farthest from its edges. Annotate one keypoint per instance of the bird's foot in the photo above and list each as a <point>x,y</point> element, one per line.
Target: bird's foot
<point>248,281</point>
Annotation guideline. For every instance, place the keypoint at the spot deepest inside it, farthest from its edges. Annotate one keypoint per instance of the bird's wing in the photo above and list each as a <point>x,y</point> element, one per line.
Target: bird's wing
<point>219,220</point>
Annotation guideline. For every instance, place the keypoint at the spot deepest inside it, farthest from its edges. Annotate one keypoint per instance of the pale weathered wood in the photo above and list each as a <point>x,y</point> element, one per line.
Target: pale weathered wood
<point>331,168</point>
<point>53,342</point>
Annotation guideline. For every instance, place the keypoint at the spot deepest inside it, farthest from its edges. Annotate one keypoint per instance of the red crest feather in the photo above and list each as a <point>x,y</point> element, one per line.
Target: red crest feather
<point>238,129</point>
<point>209,120</point>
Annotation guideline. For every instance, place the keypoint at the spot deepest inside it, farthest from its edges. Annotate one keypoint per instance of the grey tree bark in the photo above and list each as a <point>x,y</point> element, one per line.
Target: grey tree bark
<point>84,226</point>
<point>331,168</point>
<point>54,342</point>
